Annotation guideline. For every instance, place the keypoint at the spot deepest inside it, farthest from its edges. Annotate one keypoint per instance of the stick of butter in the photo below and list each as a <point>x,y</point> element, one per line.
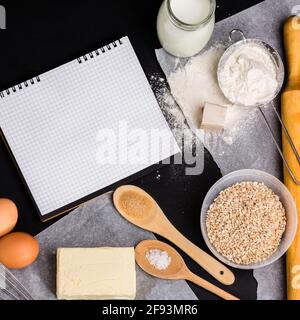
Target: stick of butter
<point>96,273</point>
<point>214,117</point>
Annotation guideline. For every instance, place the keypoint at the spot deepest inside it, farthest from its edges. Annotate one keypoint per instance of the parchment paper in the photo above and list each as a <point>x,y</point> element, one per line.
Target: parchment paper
<point>254,149</point>
<point>94,224</point>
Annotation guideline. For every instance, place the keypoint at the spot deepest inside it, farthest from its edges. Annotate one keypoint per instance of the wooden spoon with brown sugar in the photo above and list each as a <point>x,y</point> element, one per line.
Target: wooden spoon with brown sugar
<point>139,208</point>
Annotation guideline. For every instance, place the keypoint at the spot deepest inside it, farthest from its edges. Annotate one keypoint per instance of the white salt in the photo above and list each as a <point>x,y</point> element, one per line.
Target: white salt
<point>158,259</point>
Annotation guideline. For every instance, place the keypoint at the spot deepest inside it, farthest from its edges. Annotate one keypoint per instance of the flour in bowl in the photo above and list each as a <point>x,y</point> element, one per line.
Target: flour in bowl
<point>249,75</point>
<point>196,83</point>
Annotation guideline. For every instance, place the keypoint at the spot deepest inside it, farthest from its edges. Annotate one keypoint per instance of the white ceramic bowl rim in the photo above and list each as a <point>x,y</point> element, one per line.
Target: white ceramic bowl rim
<point>285,197</point>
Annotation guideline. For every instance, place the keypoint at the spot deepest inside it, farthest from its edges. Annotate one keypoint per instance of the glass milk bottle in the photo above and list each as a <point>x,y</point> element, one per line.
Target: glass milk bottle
<point>184,27</point>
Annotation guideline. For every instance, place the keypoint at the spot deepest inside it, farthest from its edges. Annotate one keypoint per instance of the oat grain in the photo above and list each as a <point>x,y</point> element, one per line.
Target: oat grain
<point>245,223</point>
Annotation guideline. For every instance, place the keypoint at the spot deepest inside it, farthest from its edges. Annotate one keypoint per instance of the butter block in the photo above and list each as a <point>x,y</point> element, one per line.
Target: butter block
<point>214,117</point>
<point>96,273</point>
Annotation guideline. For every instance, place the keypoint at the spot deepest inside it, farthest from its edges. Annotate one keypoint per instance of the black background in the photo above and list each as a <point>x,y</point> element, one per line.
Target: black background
<point>42,35</point>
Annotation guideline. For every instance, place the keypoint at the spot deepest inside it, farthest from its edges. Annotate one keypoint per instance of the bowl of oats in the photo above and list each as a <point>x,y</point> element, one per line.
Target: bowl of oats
<point>248,219</point>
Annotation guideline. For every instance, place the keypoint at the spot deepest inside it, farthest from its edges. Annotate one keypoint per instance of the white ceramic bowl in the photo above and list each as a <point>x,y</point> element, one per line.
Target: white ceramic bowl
<point>285,197</point>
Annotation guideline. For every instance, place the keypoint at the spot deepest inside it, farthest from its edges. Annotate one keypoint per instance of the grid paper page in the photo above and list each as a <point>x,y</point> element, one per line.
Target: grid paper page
<point>54,127</point>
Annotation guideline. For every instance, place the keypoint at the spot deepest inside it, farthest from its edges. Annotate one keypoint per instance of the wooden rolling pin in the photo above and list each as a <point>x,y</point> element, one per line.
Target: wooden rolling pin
<point>291,116</point>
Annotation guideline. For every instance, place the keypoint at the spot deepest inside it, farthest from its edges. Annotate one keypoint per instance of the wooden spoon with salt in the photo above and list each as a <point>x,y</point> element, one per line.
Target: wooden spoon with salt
<point>139,208</point>
<point>176,270</point>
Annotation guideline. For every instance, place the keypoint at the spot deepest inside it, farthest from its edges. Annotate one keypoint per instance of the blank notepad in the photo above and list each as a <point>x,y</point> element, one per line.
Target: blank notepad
<point>57,126</point>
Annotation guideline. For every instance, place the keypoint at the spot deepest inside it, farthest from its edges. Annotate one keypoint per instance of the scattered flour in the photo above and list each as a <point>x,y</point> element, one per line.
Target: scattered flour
<point>187,89</point>
<point>196,84</point>
<point>172,112</point>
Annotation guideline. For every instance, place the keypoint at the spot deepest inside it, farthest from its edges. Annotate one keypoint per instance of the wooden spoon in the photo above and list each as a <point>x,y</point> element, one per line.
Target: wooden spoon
<point>138,207</point>
<point>177,270</point>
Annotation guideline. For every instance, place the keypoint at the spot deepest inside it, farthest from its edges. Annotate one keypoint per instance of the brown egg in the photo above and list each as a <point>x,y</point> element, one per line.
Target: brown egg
<point>18,250</point>
<point>8,216</point>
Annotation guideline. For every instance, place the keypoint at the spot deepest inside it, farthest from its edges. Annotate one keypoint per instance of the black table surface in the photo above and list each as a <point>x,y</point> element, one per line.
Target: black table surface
<point>42,35</point>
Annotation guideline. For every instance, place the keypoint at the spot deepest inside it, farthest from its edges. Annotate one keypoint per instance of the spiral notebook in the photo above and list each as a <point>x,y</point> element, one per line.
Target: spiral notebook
<point>84,126</point>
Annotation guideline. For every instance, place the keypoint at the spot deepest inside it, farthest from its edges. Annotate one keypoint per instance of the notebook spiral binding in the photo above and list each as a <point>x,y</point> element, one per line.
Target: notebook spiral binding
<point>95,53</point>
<point>19,86</point>
<point>81,59</point>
